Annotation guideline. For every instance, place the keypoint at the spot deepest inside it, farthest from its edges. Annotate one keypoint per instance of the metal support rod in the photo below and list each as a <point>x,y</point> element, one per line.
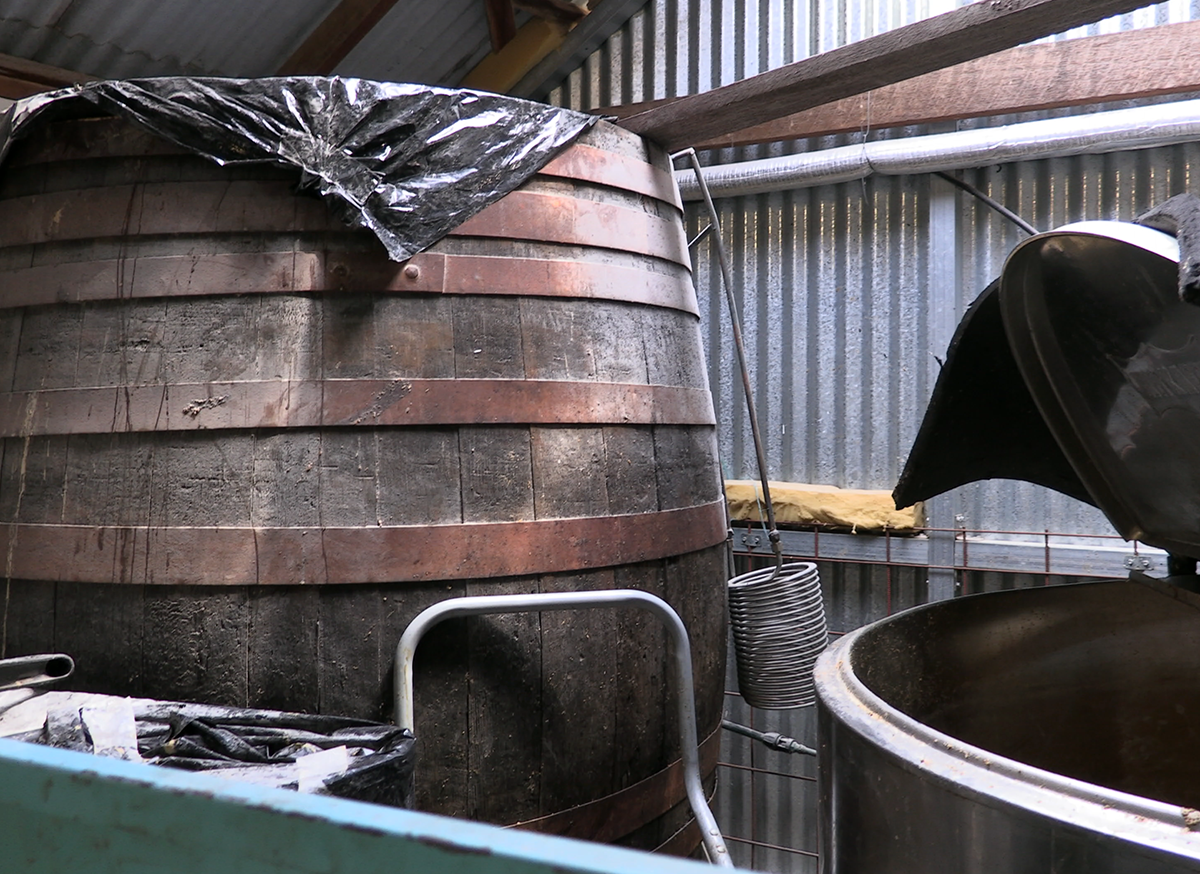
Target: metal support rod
<point>27,672</point>
<point>773,739</point>
<point>483,605</point>
<point>987,201</point>
<point>736,326</point>
<point>700,236</point>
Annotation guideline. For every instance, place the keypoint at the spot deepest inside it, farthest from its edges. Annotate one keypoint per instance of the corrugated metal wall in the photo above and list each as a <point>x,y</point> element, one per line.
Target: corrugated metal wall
<point>839,284</point>
<point>848,293</point>
<point>766,802</point>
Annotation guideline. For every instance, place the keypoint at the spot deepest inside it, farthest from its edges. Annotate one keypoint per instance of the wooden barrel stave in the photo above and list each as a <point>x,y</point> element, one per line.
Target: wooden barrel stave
<point>221,478</point>
<point>170,341</point>
<point>231,293</point>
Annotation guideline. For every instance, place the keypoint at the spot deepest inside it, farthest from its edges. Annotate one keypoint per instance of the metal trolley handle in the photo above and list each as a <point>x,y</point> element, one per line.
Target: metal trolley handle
<point>714,844</point>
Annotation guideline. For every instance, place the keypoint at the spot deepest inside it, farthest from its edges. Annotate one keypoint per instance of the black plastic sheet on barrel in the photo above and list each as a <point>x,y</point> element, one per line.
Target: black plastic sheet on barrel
<point>242,449</point>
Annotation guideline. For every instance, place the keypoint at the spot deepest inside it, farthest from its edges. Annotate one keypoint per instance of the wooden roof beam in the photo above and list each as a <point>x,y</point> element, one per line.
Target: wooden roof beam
<point>1096,69</point>
<point>21,78</point>
<point>335,37</point>
<point>969,32</point>
<point>502,22</point>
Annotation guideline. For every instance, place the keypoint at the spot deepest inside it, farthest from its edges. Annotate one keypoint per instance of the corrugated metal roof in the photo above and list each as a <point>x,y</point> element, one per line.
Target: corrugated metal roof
<point>433,43</point>
<point>124,38</point>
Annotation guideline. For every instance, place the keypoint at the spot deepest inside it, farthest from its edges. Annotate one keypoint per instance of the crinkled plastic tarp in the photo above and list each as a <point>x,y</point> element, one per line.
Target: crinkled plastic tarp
<point>257,746</point>
<point>411,162</point>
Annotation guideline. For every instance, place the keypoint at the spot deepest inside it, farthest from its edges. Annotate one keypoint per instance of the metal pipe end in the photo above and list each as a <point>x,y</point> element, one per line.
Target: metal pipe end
<point>59,666</point>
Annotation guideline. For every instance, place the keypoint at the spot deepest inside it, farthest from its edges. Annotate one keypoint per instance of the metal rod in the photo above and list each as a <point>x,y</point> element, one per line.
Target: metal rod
<point>773,739</point>
<point>714,843</point>
<point>700,236</point>
<point>27,672</point>
<point>808,853</point>
<point>803,777</point>
<point>988,201</point>
<point>736,325</point>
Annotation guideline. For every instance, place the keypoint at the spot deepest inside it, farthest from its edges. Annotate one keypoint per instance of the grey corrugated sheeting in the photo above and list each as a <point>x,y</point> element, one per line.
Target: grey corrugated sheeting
<point>836,290</point>
<point>676,47</point>
<point>782,810</point>
<point>430,43</point>
<point>118,38</point>
<point>974,582</point>
<point>836,282</point>
<point>834,360</point>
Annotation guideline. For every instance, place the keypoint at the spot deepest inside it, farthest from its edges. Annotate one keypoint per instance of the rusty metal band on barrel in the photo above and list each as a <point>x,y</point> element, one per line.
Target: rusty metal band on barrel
<point>617,815</point>
<point>167,276</point>
<point>586,163</point>
<point>248,206</point>
<point>684,841</point>
<point>178,555</point>
<point>348,403</point>
<point>579,162</point>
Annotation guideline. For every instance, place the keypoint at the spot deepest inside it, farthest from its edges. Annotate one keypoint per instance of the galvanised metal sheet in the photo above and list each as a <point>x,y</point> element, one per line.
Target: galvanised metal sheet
<point>119,38</point>
<point>849,293</point>
<point>430,43</point>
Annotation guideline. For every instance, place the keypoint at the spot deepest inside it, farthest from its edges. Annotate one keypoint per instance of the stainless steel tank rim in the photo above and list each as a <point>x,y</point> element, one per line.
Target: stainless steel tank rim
<point>1157,242</point>
<point>994,780</point>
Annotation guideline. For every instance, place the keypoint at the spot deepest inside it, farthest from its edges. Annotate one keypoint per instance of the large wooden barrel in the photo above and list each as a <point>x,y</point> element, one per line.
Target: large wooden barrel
<point>242,450</point>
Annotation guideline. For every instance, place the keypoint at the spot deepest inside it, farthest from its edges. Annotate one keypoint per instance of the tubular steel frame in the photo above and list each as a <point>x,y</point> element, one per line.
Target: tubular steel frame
<point>482,605</point>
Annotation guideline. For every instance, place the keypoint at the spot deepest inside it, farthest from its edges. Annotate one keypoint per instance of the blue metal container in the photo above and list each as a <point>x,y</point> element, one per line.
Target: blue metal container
<point>62,811</point>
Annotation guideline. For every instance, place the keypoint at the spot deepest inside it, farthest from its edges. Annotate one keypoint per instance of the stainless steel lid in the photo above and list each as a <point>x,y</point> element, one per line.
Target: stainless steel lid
<point>1078,369</point>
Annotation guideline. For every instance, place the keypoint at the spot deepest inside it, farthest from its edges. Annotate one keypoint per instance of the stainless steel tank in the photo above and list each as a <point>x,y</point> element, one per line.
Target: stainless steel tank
<point>1055,729</point>
<point>1038,730</point>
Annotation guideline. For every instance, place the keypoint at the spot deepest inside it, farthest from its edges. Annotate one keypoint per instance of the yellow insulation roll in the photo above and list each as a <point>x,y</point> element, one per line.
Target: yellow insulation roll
<point>864,510</point>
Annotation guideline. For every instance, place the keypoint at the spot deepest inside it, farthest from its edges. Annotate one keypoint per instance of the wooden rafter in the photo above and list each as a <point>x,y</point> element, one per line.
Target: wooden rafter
<point>1097,69</point>
<point>502,22</point>
<point>335,37</point>
<point>21,78</point>
<point>564,12</point>
<point>969,32</point>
